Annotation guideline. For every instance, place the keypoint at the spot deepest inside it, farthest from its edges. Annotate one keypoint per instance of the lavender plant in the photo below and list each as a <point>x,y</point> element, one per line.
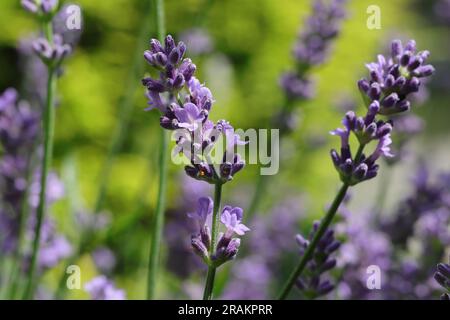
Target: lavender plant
<point>391,81</point>
<point>19,128</point>
<point>185,105</point>
<point>312,284</point>
<point>311,49</point>
<point>442,276</point>
<point>52,51</point>
<point>20,184</point>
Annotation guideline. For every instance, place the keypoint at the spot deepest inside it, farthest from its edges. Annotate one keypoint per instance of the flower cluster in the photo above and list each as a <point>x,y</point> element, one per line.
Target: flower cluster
<point>100,288</point>
<point>52,54</point>
<point>227,246</point>
<point>366,129</point>
<point>362,246</point>
<point>313,46</point>
<point>43,8</point>
<point>185,104</point>
<point>267,251</point>
<point>426,197</point>
<point>442,276</point>
<point>405,246</point>
<point>386,93</point>
<point>394,78</point>
<point>19,127</point>
<point>310,283</point>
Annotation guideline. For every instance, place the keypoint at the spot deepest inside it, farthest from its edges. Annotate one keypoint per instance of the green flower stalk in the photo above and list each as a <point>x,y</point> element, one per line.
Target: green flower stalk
<point>392,80</point>
<point>52,52</point>
<point>158,222</point>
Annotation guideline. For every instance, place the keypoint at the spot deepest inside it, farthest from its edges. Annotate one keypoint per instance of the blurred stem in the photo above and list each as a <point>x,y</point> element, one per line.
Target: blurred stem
<point>312,246</point>
<point>125,111</point>
<point>209,286</point>
<point>49,127</point>
<point>23,218</point>
<point>322,228</point>
<point>158,223</point>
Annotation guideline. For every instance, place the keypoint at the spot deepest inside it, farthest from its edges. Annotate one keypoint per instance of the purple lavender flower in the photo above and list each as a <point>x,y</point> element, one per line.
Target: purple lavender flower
<point>180,259</point>
<point>43,8</point>
<point>19,127</point>
<point>364,246</point>
<point>311,284</point>
<point>100,288</point>
<point>104,259</point>
<point>198,41</point>
<point>54,247</point>
<point>366,129</point>
<point>442,276</point>
<point>394,78</point>
<point>52,54</point>
<point>313,46</point>
<point>185,104</point>
<point>227,246</point>
<point>426,197</point>
<point>251,280</point>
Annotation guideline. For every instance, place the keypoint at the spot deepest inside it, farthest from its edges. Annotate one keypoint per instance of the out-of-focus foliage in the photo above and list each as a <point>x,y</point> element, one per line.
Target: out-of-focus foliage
<point>252,42</point>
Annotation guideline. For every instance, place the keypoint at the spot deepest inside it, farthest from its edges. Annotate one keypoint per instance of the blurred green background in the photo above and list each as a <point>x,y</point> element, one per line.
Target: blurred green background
<point>252,41</point>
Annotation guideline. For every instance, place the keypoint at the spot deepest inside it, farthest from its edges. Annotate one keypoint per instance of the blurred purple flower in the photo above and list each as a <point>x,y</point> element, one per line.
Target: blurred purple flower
<point>198,41</point>
<point>442,276</point>
<point>311,283</point>
<point>100,288</point>
<point>104,259</point>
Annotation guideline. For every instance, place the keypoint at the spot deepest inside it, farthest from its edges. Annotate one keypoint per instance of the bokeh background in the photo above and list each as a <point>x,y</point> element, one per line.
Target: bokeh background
<point>249,46</point>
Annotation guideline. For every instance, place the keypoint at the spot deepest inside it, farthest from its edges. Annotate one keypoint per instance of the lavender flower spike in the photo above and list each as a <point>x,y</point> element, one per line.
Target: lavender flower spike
<point>227,246</point>
<point>43,8</point>
<point>366,129</point>
<point>442,276</point>
<point>311,284</point>
<point>393,79</point>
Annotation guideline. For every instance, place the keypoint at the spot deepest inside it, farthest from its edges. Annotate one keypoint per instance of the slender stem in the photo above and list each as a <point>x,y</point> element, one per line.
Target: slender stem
<point>160,20</point>
<point>23,218</point>
<point>311,247</point>
<point>209,286</point>
<point>158,223</point>
<point>49,127</point>
<point>322,228</point>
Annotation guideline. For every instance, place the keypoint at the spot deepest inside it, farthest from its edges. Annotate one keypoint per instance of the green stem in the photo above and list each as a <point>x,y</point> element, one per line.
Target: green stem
<point>311,247</point>
<point>23,218</point>
<point>49,127</point>
<point>209,286</point>
<point>158,222</point>
<point>322,228</point>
